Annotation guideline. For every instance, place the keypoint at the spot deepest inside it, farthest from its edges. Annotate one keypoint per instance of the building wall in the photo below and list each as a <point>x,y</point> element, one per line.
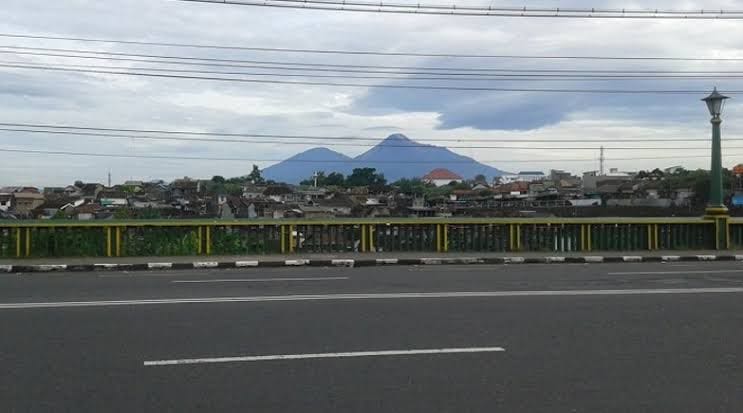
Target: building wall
<point>444,182</point>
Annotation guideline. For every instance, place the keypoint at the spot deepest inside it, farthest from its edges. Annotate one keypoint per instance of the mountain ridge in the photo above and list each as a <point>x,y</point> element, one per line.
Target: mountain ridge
<point>394,156</point>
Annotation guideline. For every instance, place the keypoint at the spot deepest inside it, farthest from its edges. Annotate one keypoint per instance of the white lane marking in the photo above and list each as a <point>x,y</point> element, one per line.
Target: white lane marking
<point>233,280</point>
<point>240,264</point>
<point>206,264</point>
<point>376,296</point>
<point>676,272</point>
<point>325,355</point>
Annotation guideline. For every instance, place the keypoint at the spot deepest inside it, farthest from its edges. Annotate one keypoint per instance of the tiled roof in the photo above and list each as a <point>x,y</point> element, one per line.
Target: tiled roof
<point>441,173</point>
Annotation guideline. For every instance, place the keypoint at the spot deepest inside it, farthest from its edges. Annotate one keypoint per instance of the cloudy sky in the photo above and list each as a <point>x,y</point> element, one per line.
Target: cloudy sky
<point>128,102</point>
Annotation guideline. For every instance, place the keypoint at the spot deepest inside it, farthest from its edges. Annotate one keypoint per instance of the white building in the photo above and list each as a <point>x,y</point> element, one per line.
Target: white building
<point>525,176</point>
<point>441,177</point>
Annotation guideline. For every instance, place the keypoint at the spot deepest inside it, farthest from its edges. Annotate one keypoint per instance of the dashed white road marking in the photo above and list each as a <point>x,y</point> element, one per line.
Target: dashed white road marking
<point>375,296</point>
<point>677,272</point>
<point>324,355</point>
<point>234,280</point>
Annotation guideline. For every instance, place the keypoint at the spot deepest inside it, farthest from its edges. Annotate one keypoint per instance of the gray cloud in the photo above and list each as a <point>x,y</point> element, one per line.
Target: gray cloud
<point>128,102</point>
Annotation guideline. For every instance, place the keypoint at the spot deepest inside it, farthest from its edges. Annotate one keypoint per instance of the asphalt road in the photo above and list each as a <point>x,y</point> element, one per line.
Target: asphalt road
<point>536,338</point>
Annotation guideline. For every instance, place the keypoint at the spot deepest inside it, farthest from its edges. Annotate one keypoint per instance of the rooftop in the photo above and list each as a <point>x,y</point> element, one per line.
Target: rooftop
<point>441,173</point>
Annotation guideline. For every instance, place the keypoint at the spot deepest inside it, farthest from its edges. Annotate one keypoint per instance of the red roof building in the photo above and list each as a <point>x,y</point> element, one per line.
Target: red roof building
<point>441,177</point>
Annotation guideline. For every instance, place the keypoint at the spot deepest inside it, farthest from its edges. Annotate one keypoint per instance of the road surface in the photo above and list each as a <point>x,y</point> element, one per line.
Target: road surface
<point>536,338</point>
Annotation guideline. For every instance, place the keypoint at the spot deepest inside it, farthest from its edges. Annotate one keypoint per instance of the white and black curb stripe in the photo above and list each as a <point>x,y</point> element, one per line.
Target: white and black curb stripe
<point>351,263</point>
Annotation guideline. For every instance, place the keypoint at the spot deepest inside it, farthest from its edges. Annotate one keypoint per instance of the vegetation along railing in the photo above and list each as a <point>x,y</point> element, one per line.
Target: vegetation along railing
<point>223,237</point>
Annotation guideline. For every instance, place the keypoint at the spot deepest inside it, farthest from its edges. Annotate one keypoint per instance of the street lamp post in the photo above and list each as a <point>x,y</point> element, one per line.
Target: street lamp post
<point>716,207</point>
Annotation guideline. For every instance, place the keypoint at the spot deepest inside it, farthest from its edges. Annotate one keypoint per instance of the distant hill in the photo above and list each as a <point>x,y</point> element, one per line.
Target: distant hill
<point>302,165</point>
<point>393,157</point>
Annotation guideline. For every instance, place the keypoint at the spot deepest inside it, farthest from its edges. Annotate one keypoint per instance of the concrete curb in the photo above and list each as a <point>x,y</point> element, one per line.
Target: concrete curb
<point>363,262</point>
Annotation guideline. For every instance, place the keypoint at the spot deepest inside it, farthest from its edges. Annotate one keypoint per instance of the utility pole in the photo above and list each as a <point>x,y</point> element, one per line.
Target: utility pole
<point>601,161</point>
<point>315,175</point>
<point>109,178</point>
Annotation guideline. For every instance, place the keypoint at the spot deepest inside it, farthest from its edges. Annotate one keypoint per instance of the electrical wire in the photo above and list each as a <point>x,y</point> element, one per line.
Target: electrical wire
<point>277,65</point>
<point>454,10</point>
<point>350,161</point>
<point>130,131</point>
<point>371,85</point>
<point>387,145</point>
<point>361,52</point>
<point>439,77</point>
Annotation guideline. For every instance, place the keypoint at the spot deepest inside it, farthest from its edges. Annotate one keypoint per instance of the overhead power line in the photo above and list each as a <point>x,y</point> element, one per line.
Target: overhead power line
<point>349,161</point>
<point>293,65</point>
<point>393,76</point>
<point>459,10</point>
<point>134,133</point>
<point>496,74</point>
<point>352,144</point>
<point>362,52</point>
<point>370,85</point>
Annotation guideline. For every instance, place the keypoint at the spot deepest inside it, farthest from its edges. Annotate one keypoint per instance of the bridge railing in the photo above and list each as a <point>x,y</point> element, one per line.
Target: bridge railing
<point>248,237</point>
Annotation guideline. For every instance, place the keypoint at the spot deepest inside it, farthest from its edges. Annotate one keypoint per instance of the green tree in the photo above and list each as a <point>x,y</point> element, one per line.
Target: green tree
<point>255,176</point>
<point>335,179</point>
<point>123,213</point>
<point>218,179</point>
<point>232,189</point>
<point>365,177</point>
<point>59,215</point>
<point>480,179</point>
<point>149,213</point>
<point>410,186</point>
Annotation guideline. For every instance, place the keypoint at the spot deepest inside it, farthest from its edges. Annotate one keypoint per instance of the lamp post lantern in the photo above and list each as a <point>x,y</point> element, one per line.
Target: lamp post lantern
<point>716,210</point>
<point>715,103</point>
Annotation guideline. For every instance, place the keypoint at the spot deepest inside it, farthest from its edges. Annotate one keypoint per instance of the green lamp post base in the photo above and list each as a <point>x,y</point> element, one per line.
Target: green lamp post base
<point>719,216</point>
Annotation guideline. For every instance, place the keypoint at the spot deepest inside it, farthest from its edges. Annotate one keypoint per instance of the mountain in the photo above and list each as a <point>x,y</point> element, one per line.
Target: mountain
<point>396,157</point>
<point>302,165</point>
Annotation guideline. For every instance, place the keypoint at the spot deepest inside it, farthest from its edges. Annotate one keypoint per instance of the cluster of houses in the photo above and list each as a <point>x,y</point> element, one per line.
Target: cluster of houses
<point>192,198</point>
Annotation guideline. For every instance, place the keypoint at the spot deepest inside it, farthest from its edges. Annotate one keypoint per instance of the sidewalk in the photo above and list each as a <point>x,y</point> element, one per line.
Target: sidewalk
<point>352,260</point>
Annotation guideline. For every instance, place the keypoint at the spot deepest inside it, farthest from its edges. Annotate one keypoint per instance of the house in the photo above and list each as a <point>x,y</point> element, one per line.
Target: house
<point>441,177</point>
<point>134,186</point>
<point>312,194</point>
<point>7,202</point>
<point>156,191</point>
<point>185,188</point>
<point>86,212</point>
<point>557,175</point>
<point>52,206</point>
<point>519,189</point>
<point>251,191</point>
<point>592,180</point>
<point>316,212</point>
<point>72,191</point>
<point>25,202</point>
<point>339,204</point>
<point>53,191</point>
<point>90,191</point>
<point>673,169</point>
<point>279,193</point>
<point>18,189</point>
<point>530,176</point>
<point>419,209</point>
<point>112,199</point>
